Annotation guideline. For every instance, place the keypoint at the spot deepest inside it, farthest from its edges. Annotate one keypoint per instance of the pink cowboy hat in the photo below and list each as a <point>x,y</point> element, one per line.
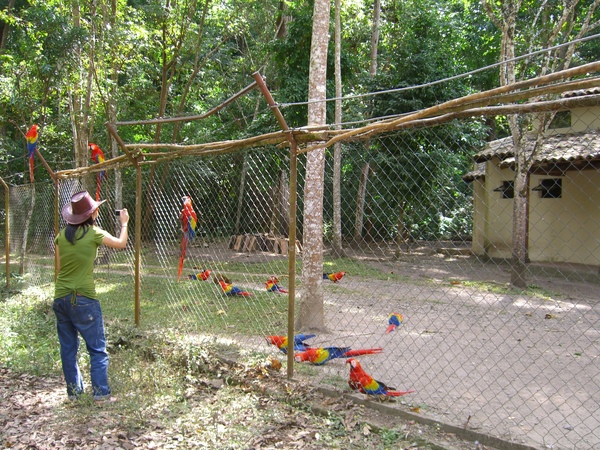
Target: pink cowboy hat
<point>80,209</point>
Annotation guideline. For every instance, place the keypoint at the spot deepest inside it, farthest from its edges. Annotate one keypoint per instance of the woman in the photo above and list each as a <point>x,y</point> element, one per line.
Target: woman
<point>75,304</point>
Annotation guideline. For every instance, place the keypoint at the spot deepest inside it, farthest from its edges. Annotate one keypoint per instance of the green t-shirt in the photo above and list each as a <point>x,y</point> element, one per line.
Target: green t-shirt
<point>77,262</point>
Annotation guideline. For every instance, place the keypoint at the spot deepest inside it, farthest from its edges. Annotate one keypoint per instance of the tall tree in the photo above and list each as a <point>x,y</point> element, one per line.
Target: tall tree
<point>533,25</point>
<point>311,313</point>
<point>364,177</point>
<point>338,249</point>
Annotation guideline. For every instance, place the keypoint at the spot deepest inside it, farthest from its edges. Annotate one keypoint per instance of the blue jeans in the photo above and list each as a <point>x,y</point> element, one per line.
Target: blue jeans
<point>82,314</point>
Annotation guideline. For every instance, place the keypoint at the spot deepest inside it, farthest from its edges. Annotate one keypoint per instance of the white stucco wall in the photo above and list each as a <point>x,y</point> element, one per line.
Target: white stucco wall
<point>565,229</point>
<point>499,213</point>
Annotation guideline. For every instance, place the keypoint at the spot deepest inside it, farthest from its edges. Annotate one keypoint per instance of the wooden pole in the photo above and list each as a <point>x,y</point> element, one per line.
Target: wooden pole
<point>292,214</point>
<point>6,230</point>
<point>138,243</point>
<point>56,225</point>
<point>138,222</point>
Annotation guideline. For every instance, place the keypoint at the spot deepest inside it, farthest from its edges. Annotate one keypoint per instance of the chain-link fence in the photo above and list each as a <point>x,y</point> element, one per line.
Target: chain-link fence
<point>426,232</point>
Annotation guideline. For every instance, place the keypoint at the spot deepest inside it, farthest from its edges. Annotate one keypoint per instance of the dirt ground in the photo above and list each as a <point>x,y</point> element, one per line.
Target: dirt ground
<point>34,415</point>
<point>492,369</point>
<point>521,368</point>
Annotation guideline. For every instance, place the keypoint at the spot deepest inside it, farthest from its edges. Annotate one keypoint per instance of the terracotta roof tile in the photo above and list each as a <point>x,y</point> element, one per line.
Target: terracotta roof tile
<point>558,148</point>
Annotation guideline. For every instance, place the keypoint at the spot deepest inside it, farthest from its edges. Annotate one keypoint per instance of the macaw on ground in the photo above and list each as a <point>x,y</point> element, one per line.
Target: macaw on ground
<point>335,277</point>
<point>320,355</point>
<point>203,275</point>
<point>281,342</point>
<point>272,285</point>
<point>230,289</point>
<point>363,382</point>
<point>394,320</point>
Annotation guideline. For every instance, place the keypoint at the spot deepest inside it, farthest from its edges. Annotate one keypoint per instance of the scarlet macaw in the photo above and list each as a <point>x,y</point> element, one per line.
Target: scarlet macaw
<point>394,320</point>
<point>281,342</point>
<point>320,355</point>
<point>201,275</point>
<point>335,277</point>
<point>363,382</point>
<point>230,289</point>
<point>98,157</point>
<point>32,137</point>
<point>272,285</point>
<point>189,220</point>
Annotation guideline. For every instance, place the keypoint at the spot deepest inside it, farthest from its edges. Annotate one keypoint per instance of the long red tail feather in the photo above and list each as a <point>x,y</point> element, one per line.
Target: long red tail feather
<point>182,257</point>
<point>366,351</point>
<point>31,166</point>
<point>399,393</point>
<point>98,181</point>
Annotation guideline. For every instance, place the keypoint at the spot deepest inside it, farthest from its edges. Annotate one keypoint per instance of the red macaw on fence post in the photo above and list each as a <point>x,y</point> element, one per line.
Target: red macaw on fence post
<point>189,220</point>
<point>32,137</point>
<point>97,157</point>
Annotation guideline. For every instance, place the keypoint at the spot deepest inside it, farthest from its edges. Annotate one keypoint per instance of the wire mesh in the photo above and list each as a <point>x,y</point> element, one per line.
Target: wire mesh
<point>417,240</point>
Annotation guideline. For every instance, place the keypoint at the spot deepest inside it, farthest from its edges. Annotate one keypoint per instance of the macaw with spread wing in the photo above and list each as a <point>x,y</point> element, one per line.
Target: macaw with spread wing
<point>32,137</point>
<point>272,285</point>
<point>320,355</point>
<point>98,157</point>
<point>230,289</point>
<point>281,342</point>
<point>394,320</point>
<point>335,277</point>
<point>203,275</point>
<point>189,220</point>
<point>363,382</point>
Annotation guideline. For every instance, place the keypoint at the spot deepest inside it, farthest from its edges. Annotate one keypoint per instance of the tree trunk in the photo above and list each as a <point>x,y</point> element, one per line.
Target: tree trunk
<point>520,208</point>
<point>112,118</point>
<point>338,250</point>
<point>80,98</point>
<point>360,203</point>
<point>401,232</point>
<point>5,26</point>
<point>375,37</point>
<point>240,203</point>
<point>311,312</point>
<point>283,204</point>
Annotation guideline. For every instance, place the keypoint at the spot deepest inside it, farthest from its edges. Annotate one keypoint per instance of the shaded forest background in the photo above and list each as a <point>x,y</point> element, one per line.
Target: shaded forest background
<point>72,66</point>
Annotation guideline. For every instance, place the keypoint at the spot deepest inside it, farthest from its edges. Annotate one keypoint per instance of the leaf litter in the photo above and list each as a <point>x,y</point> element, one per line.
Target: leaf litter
<point>225,405</point>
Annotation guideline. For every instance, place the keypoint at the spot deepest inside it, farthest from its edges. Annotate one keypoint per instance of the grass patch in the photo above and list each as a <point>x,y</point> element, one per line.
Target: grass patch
<point>173,389</point>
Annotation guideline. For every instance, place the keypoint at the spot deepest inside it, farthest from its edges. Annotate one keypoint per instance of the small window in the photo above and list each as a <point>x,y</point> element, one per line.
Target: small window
<point>562,119</point>
<point>507,188</point>
<point>550,188</point>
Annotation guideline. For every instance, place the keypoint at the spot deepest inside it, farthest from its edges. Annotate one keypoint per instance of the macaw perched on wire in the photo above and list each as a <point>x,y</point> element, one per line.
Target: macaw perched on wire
<point>281,342</point>
<point>31,136</point>
<point>335,277</point>
<point>98,157</point>
<point>363,382</point>
<point>272,285</point>
<point>320,355</point>
<point>189,220</point>
<point>394,320</point>
<point>204,275</point>
<point>230,289</point>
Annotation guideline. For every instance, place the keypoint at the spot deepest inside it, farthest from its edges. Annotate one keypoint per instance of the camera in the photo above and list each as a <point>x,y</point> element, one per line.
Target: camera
<point>117,212</point>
